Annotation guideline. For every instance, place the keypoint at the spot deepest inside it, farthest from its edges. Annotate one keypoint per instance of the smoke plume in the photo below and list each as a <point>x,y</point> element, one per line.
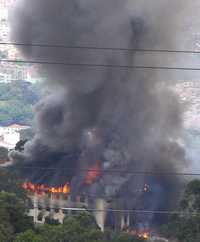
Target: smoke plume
<point>127,119</point>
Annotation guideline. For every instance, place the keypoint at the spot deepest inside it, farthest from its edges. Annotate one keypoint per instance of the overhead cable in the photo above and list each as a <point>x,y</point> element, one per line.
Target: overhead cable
<point>101,66</point>
<point>125,210</point>
<point>86,47</point>
<point>124,171</point>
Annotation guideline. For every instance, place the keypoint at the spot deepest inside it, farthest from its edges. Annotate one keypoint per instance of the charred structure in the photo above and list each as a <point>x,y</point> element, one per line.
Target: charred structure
<point>97,119</point>
<point>58,205</point>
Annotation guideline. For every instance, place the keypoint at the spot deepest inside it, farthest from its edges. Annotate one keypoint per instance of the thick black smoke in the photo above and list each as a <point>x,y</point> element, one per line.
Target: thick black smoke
<point>129,119</point>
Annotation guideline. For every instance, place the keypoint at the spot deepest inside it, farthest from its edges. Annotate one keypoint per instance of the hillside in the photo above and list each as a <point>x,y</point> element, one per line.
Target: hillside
<point>16,102</point>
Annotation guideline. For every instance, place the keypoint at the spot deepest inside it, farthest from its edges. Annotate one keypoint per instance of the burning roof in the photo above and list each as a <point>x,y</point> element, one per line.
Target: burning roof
<point>41,189</point>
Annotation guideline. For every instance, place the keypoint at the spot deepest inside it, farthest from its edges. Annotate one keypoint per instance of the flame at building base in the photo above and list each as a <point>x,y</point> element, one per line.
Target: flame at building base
<point>42,188</point>
<point>143,234</point>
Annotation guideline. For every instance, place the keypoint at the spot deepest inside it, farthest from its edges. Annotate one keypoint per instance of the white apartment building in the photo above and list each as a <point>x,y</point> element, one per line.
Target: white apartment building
<point>189,93</point>
<point>10,135</point>
<point>5,78</point>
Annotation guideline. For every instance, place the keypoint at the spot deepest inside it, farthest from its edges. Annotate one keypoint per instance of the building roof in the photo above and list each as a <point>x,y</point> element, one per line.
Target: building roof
<point>18,126</point>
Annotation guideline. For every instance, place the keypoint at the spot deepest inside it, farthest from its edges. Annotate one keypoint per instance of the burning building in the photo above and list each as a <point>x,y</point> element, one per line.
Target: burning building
<point>101,119</point>
<point>56,203</point>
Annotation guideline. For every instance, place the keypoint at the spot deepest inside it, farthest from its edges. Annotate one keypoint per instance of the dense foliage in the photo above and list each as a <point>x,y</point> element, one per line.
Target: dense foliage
<point>16,102</point>
<point>186,226</point>
<point>79,228</point>
<point>11,183</point>
<point>13,207</point>
<point>13,216</point>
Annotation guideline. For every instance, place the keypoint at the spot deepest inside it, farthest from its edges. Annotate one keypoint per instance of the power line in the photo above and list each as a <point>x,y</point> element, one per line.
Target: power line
<point>100,48</point>
<point>156,173</point>
<point>123,210</point>
<point>89,65</point>
<point>144,211</point>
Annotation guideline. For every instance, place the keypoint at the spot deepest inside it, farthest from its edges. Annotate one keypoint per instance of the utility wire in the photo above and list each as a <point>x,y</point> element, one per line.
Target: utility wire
<point>124,210</point>
<point>144,211</point>
<point>89,65</point>
<point>100,48</point>
<point>157,173</point>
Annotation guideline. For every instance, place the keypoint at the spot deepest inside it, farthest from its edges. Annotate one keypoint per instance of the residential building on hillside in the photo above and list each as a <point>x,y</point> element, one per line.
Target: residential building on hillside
<point>189,93</point>
<point>10,135</point>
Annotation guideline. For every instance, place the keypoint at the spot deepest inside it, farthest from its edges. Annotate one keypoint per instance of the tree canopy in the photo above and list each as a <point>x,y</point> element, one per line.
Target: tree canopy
<point>13,214</point>
<point>16,102</point>
<point>11,183</point>
<point>186,226</point>
<point>78,228</point>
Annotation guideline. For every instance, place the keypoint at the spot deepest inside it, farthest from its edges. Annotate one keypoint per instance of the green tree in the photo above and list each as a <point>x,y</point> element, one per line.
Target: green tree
<point>16,102</point>
<point>10,182</point>
<point>13,212</point>
<point>13,217</point>
<point>6,232</point>
<point>29,236</point>
<point>13,206</point>
<point>79,228</point>
<point>186,226</point>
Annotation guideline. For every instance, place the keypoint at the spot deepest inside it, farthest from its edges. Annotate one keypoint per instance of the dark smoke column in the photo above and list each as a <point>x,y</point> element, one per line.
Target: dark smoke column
<point>127,119</point>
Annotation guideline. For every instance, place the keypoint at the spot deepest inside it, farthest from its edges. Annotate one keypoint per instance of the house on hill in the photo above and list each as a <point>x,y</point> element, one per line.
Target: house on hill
<point>10,135</point>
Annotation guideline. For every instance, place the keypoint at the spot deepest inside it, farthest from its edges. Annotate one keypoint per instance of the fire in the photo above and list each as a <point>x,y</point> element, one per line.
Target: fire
<point>93,173</point>
<point>42,189</point>
<point>144,234</point>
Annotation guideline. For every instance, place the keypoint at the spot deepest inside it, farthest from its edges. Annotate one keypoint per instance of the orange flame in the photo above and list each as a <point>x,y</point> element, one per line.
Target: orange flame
<point>144,234</point>
<point>42,189</point>
<point>93,173</point>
